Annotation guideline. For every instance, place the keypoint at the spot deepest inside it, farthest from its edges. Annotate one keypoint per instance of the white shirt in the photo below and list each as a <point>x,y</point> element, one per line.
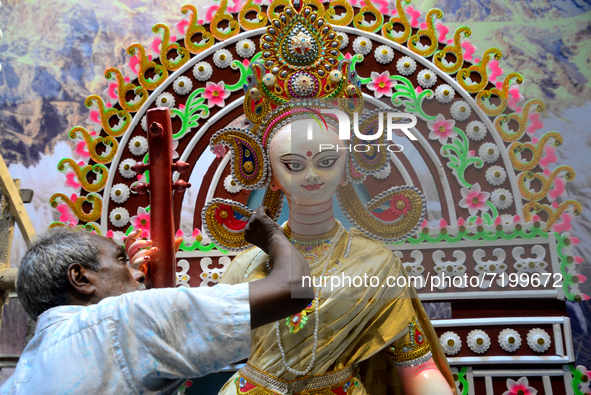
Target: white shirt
<point>144,342</point>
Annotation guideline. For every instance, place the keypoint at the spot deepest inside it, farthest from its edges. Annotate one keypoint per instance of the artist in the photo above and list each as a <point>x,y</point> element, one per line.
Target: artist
<point>96,335</point>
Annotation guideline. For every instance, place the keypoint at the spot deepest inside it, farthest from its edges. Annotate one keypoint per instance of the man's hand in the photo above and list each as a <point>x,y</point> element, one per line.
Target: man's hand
<point>260,229</point>
<point>140,251</point>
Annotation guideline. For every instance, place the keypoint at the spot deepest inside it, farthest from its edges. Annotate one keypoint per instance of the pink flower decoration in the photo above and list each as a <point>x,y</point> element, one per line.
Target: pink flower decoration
<point>182,26</point>
<point>94,117</point>
<point>495,70</point>
<point>348,56</point>
<point>67,216</point>
<point>414,16</point>
<point>81,150</point>
<point>381,84</point>
<point>418,89</point>
<point>521,387</point>
<point>564,224</point>
<point>210,12</point>
<point>469,49</point>
<point>219,150</point>
<point>141,220</point>
<point>441,129</point>
<point>133,64</point>
<point>534,118</point>
<point>110,234</point>
<point>514,97</point>
<point>72,182</point>
<point>423,25</point>
<point>246,62</point>
<point>549,157</point>
<point>443,30</point>
<point>216,94</point>
<point>474,199</point>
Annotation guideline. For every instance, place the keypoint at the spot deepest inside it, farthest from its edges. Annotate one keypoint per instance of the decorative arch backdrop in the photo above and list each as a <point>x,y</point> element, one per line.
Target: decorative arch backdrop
<point>54,53</point>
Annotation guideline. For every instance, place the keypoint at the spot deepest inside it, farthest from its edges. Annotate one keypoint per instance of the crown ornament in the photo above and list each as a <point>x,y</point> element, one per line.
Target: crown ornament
<point>301,72</point>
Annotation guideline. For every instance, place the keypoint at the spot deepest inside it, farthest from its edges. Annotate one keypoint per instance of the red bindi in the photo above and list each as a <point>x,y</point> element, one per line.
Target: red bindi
<point>309,153</point>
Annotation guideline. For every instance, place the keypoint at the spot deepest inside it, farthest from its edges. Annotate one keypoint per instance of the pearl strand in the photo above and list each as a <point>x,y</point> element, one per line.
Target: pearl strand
<point>316,310</point>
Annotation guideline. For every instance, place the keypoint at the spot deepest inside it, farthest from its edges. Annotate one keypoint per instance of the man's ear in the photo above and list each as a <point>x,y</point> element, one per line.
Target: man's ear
<point>81,279</point>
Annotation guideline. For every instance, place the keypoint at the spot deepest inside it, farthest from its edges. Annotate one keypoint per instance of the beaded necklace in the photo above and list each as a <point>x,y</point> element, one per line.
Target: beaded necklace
<point>326,259</point>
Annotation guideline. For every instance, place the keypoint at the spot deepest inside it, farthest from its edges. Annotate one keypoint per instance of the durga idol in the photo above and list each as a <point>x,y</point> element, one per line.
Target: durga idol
<point>350,340</point>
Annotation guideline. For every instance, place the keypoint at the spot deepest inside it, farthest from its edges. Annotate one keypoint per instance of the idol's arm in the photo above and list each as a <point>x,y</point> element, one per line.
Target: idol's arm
<point>423,379</point>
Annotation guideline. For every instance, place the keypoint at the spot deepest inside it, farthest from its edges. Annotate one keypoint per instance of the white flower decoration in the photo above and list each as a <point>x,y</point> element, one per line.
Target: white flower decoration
<point>538,340</point>
<point>384,173</point>
<point>460,110</point>
<point>336,76</point>
<point>118,237</point>
<point>362,45</point>
<point>476,130</point>
<point>231,185</point>
<point>451,343</point>
<point>426,78</point>
<point>406,65</point>
<point>343,39</point>
<point>119,217</point>
<point>165,99</point>
<point>444,93</point>
<point>119,193</point>
<point>138,145</point>
<point>125,168</point>
<point>495,175</point>
<point>202,71</point>
<point>384,54</point>
<point>144,123</point>
<point>478,341</point>
<point>501,198</point>
<point>269,79</point>
<point>489,152</point>
<point>182,85</point>
<point>222,58</point>
<point>509,340</point>
<point>245,48</point>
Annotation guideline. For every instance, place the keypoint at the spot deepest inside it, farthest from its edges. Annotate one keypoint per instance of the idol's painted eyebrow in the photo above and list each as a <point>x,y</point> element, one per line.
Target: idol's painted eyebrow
<point>286,156</point>
<point>323,152</point>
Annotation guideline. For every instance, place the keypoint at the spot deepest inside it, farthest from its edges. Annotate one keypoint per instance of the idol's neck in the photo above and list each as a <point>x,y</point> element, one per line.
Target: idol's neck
<point>310,220</point>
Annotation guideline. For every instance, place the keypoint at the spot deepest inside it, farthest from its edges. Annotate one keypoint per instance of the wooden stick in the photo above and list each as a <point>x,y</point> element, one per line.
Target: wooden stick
<point>16,204</point>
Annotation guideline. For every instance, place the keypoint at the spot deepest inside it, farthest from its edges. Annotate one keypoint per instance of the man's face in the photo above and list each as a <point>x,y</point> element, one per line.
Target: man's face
<point>115,277</point>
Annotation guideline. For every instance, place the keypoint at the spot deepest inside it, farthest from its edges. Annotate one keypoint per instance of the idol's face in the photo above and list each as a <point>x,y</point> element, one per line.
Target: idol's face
<point>307,173</point>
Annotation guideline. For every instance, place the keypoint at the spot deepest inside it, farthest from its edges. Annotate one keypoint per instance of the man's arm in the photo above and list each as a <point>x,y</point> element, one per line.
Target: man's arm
<point>282,292</point>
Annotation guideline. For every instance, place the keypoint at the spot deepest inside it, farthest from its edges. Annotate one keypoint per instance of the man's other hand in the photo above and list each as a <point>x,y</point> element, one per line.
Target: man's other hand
<point>261,228</point>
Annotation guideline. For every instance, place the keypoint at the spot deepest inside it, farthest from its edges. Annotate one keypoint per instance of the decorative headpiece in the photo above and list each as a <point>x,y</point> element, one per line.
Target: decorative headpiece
<point>302,70</point>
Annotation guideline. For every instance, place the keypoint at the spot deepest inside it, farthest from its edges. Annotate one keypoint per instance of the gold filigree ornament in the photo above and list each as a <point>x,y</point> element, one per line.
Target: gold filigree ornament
<point>107,114</point>
<point>502,122</point>
<point>194,29</point>
<point>516,149</point>
<point>101,171</point>
<point>455,50</point>
<point>342,20</point>
<point>110,144</point>
<point>525,178</point>
<point>92,198</point>
<point>554,214</point>
<point>359,19</point>
<point>388,30</point>
<point>183,54</point>
<point>140,93</point>
<point>503,95</point>
<point>220,16</point>
<point>159,72</point>
<point>479,69</point>
<point>248,24</point>
<point>429,32</point>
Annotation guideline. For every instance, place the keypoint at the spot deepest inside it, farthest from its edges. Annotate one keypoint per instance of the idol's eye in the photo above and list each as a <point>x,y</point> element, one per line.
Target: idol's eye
<point>294,166</point>
<point>327,162</point>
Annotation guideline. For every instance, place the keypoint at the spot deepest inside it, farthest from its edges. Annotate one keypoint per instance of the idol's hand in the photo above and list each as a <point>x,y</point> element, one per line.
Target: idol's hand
<point>261,229</point>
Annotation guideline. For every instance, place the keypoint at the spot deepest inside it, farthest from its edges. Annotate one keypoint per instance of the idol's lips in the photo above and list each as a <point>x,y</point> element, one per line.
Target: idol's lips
<point>313,187</point>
